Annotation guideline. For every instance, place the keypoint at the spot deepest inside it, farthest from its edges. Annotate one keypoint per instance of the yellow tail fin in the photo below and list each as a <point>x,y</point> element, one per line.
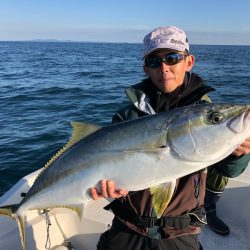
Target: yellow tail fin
<point>10,211</point>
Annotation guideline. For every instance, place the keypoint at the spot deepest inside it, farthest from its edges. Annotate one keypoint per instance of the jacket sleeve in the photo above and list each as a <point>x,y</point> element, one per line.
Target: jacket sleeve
<point>125,114</point>
<point>232,166</point>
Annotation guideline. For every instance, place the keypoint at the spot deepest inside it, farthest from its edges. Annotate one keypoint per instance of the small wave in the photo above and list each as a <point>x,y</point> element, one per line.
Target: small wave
<point>86,73</point>
<point>14,76</point>
<point>56,90</point>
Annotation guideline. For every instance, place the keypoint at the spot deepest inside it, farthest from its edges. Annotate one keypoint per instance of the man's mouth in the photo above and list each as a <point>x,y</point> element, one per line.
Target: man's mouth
<point>165,79</point>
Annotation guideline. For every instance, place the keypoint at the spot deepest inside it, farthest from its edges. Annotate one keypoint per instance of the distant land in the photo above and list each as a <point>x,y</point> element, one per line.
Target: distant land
<point>74,41</point>
<point>44,40</point>
<point>48,40</point>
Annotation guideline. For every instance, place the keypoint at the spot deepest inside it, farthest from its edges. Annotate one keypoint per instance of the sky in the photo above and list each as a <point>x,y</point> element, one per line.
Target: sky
<point>225,22</point>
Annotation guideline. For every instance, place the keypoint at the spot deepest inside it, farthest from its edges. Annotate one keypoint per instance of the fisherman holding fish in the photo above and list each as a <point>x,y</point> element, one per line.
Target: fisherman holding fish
<point>169,84</point>
<point>159,158</point>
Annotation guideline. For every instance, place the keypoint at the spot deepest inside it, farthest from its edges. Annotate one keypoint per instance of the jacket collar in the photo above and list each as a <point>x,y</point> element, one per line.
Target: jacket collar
<point>145,97</point>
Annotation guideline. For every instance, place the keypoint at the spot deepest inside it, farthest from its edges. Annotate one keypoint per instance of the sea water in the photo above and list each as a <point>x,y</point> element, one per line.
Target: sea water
<point>44,86</point>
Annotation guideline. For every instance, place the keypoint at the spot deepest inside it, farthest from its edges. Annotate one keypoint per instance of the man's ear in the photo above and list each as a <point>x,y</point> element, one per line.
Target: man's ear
<point>146,70</point>
<point>190,60</point>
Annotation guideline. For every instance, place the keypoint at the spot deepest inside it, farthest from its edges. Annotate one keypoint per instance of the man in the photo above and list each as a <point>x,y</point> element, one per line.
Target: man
<point>170,84</point>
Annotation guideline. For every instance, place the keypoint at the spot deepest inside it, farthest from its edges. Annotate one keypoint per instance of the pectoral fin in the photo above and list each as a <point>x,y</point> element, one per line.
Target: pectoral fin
<point>162,195</point>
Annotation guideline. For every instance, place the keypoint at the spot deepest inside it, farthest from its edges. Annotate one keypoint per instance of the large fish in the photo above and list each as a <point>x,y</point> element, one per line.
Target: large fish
<point>149,152</point>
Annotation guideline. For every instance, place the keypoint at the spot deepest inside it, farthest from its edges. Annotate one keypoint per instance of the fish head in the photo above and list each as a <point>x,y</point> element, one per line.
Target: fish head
<point>208,132</point>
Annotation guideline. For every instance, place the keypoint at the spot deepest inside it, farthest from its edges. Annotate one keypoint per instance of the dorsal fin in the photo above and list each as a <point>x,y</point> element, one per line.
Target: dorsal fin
<point>80,130</point>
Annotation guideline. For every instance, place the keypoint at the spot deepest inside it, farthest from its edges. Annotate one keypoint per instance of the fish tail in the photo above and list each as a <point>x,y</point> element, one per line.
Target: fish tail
<point>10,211</point>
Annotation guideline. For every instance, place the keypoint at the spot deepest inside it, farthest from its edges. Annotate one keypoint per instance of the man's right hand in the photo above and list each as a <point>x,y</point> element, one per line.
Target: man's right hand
<point>107,190</point>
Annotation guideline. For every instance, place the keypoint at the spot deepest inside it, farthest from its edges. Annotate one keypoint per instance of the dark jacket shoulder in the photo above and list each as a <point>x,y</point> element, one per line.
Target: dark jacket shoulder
<point>145,99</point>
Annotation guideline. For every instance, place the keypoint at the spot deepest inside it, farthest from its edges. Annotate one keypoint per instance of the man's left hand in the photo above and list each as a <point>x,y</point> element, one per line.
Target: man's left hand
<point>243,149</point>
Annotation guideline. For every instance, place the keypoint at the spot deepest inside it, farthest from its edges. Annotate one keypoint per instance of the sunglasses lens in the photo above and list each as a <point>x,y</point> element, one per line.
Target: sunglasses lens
<point>170,59</point>
<point>153,62</point>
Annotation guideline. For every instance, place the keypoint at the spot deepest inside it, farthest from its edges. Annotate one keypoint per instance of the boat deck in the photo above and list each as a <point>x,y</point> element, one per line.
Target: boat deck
<point>233,208</point>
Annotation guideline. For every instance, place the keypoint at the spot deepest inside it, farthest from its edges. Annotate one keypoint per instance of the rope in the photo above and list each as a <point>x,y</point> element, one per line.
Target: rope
<point>66,242</point>
<point>48,224</point>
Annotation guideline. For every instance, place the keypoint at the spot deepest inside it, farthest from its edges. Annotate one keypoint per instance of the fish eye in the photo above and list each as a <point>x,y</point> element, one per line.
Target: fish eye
<point>215,117</point>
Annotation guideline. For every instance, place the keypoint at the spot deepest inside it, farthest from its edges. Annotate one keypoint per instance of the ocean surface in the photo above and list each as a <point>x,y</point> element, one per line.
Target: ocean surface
<point>45,86</point>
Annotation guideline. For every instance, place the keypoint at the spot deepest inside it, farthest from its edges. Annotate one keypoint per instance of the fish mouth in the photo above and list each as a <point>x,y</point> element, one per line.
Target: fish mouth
<point>247,117</point>
<point>241,123</point>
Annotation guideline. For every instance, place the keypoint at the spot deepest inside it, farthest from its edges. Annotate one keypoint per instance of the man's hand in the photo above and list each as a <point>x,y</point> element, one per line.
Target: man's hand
<point>243,149</point>
<point>108,190</point>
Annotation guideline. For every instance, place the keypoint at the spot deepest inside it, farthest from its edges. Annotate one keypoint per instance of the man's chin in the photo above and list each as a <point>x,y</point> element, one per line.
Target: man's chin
<point>168,88</point>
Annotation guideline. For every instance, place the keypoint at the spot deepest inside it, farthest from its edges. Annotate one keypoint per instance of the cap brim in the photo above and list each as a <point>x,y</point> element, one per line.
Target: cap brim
<point>153,50</point>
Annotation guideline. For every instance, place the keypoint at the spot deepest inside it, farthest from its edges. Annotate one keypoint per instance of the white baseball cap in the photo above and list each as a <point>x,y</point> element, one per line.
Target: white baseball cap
<point>169,37</point>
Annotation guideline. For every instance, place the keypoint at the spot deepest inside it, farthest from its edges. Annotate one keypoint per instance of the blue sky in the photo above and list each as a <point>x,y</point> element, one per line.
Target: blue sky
<point>205,22</point>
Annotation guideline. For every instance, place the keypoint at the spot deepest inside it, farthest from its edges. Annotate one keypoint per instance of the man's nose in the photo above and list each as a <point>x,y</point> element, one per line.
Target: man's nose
<point>164,66</point>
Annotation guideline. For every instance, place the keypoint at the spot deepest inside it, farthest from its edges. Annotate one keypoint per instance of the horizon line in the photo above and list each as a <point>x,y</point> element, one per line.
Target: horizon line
<point>114,42</point>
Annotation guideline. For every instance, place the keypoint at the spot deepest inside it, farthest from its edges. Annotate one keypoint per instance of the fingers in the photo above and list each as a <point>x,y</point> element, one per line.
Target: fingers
<point>104,188</point>
<point>246,144</point>
<point>243,149</point>
<point>111,189</point>
<point>94,194</point>
<point>238,151</point>
<point>103,191</point>
<point>107,190</point>
<point>113,192</point>
<point>123,192</point>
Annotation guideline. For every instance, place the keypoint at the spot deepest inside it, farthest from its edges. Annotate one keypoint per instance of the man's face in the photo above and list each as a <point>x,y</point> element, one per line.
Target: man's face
<point>168,77</point>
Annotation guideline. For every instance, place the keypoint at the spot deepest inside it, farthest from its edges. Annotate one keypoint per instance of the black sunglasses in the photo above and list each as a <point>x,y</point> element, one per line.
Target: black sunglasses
<point>154,62</point>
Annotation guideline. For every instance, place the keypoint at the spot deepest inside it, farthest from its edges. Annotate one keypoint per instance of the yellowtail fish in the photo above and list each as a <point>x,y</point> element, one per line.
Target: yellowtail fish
<point>149,152</point>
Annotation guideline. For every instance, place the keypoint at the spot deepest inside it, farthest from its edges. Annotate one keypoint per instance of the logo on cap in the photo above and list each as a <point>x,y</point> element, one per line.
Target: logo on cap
<point>176,41</point>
